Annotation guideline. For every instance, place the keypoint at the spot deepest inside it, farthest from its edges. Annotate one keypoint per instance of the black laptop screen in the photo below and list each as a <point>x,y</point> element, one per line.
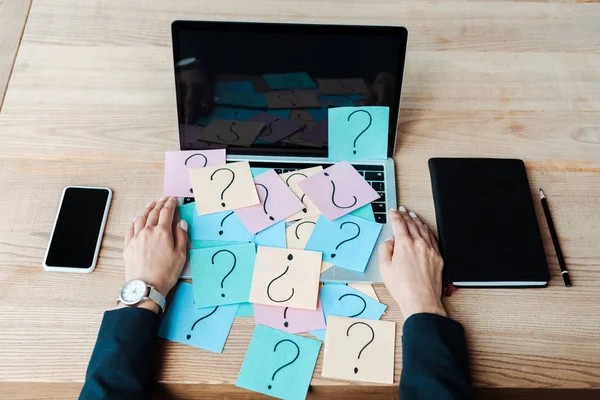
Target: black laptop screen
<point>262,88</point>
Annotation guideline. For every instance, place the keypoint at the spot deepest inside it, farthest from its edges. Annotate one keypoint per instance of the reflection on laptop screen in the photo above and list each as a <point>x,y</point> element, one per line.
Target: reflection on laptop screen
<point>259,88</point>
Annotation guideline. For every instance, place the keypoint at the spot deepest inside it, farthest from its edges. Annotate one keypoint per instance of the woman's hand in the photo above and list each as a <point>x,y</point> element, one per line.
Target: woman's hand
<point>411,265</point>
<point>155,248</point>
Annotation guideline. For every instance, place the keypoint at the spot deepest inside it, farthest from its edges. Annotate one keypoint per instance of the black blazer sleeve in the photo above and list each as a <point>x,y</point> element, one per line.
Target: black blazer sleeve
<point>122,363</point>
<point>435,362</point>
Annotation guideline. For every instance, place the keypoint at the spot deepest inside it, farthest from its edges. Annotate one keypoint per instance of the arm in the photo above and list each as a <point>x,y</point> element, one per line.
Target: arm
<point>434,352</point>
<point>122,363</point>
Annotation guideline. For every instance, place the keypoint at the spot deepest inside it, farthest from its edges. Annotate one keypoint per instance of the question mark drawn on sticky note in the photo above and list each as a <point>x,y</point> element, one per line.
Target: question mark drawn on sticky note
<point>290,258</point>
<point>287,182</point>
<point>237,136</point>
<point>228,185</point>
<point>333,195</point>
<point>299,225</point>
<point>222,221</point>
<point>364,130</point>
<point>355,295</point>
<point>265,202</point>
<point>287,364</point>
<point>349,239</point>
<point>230,271</point>
<point>286,324</point>
<point>270,127</point>
<point>189,336</point>
<point>194,155</point>
<point>368,343</point>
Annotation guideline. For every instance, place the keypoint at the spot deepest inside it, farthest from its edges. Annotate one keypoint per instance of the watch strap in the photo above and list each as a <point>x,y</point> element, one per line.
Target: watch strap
<point>156,297</point>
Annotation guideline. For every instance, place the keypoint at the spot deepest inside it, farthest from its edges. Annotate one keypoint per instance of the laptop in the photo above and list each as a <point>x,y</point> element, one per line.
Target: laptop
<point>234,71</point>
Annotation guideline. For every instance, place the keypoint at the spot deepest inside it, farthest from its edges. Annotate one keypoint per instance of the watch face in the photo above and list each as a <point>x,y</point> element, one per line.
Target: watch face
<point>133,291</point>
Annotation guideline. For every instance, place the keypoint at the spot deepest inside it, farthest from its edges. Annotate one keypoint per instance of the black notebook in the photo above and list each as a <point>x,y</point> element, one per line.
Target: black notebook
<point>488,229</point>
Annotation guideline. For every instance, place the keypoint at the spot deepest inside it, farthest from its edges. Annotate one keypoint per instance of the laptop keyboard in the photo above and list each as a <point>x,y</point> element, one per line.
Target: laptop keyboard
<point>372,174</point>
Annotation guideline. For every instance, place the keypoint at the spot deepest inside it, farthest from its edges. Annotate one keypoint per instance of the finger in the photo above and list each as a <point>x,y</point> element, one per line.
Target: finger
<point>168,211</point>
<point>398,225</point>
<point>386,251</point>
<point>410,225</point>
<point>129,232</point>
<point>433,239</point>
<point>181,236</point>
<point>140,221</point>
<point>421,227</point>
<point>155,213</point>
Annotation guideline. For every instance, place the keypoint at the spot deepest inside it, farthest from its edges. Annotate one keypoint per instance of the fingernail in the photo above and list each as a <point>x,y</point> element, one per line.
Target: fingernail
<point>133,220</point>
<point>150,204</point>
<point>412,214</point>
<point>402,209</point>
<point>388,239</point>
<point>183,225</point>
<point>163,198</point>
<point>171,199</point>
<point>393,210</point>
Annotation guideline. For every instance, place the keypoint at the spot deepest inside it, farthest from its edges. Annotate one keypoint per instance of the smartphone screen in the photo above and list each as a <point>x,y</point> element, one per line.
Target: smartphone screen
<point>78,228</point>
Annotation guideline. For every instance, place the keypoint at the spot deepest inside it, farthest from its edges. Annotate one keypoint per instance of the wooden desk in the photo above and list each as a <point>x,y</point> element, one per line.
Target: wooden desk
<point>91,102</point>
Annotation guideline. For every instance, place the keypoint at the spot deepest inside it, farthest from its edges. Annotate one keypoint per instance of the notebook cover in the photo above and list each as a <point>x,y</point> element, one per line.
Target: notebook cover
<point>486,221</point>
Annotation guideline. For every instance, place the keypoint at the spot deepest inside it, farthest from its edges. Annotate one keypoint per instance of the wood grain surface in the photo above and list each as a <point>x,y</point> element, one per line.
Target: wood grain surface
<point>91,102</point>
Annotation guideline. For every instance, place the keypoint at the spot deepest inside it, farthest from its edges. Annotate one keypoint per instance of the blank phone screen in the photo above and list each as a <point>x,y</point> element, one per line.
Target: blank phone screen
<point>78,225</point>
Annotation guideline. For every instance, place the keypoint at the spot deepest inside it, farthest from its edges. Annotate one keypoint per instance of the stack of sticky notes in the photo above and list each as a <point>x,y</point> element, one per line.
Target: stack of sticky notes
<point>259,243</point>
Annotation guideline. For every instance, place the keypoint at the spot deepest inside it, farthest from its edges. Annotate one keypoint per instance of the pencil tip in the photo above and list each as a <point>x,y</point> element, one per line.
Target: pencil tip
<point>542,194</point>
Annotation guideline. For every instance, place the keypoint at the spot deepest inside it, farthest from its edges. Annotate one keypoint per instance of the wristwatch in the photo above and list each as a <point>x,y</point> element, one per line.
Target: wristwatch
<point>136,290</point>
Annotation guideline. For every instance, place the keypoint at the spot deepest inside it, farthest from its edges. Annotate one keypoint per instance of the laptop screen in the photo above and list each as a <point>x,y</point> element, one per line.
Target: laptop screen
<point>265,88</point>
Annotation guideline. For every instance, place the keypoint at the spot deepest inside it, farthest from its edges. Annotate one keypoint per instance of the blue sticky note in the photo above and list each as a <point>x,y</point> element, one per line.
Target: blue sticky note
<point>347,241</point>
<point>365,212</point>
<point>222,275</point>
<point>336,100</point>
<point>229,113</point>
<point>273,236</point>
<point>318,114</point>
<point>206,328</point>
<point>282,113</point>
<point>255,100</point>
<point>291,80</point>
<point>320,334</point>
<point>256,171</point>
<point>238,86</point>
<point>245,310</point>
<point>187,212</point>
<point>358,133</point>
<point>225,226</point>
<point>203,244</point>
<point>343,301</point>
<point>278,364</point>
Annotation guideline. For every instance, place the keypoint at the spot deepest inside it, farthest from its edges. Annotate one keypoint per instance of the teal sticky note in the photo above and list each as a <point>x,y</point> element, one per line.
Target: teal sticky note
<point>290,80</point>
<point>229,113</point>
<point>273,236</point>
<point>338,100</point>
<point>222,275</point>
<point>205,328</point>
<point>256,171</point>
<point>282,113</point>
<point>237,86</point>
<point>319,334</point>
<point>318,114</point>
<point>203,244</point>
<point>346,242</point>
<point>365,212</point>
<point>187,212</point>
<point>245,310</point>
<point>358,133</point>
<point>254,100</point>
<point>278,364</point>
<point>223,226</point>
<point>344,301</point>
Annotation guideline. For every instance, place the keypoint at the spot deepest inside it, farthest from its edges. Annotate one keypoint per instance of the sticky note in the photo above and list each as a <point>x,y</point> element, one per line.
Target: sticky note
<point>319,334</point>
<point>245,310</point>
<point>276,129</point>
<point>298,233</point>
<point>205,328</point>
<point>286,277</point>
<point>292,179</point>
<point>222,88</point>
<point>235,133</point>
<point>301,116</point>
<point>318,114</point>
<point>176,180</point>
<point>365,288</point>
<point>338,190</point>
<point>342,86</point>
<point>253,100</point>
<point>224,187</point>
<point>281,113</point>
<point>359,350</point>
<point>223,226</point>
<point>358,133</point>
<point>187,212</point>
<point>364,212</point>
<point>288,319</point>
<point>229,113</point>
<point>341,300</point>
<point>277,202</point>
<point>222,275</point>
<point>256,171</point>
<point>278,364</point>
<point>336,100</point>
<point>292,99</point>
<point>290,80</point>
<point>273,236</point>
<point>346,242</point>
<point>318,134</point>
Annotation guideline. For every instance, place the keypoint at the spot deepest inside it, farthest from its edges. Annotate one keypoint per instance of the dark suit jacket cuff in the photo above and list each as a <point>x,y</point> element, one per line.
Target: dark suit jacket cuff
<point>130,324</point>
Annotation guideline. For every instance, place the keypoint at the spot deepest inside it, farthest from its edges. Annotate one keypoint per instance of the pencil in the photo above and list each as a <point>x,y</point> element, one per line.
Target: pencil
<point>559,254</point>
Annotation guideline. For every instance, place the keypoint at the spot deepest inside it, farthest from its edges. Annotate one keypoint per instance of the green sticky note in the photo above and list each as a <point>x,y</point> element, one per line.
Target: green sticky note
<point>222,275</point>
<point>279,364</point>
<point>358,133</point>
<point>365,212</point>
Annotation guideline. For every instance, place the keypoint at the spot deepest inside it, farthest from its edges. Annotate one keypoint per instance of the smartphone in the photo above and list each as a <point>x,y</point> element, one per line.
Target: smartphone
<point>78,228</point>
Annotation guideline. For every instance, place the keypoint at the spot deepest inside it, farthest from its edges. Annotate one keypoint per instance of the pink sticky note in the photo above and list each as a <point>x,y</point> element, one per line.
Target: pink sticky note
<point>338,190</point>
<point>177,183</point>
<point>277,202</point>
<point>287,319</point>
